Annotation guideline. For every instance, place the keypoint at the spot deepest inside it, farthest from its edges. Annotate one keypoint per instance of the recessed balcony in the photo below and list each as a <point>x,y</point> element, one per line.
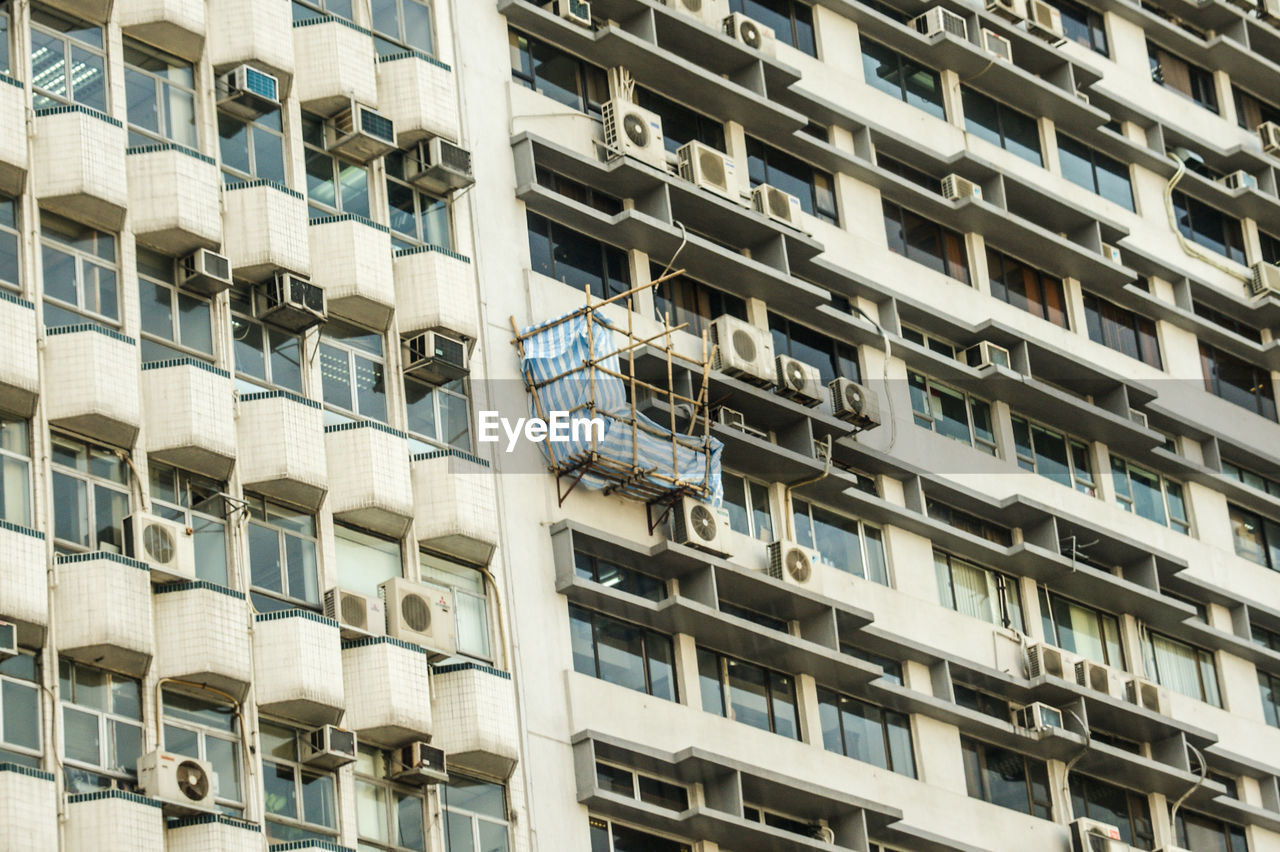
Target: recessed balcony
<point>435,288</point>
<point>369,483</point>
<point>80,165</point>
<point>19,366</point>
<point>91,382</point>
<point>351,262</point>
<point>188,409</point>
<point>420,95</point>
<point>475,718</point>
<point>13,136</point>
<point>297,666</point>
<point>335,61</point>
<point>388,690</point>
<point>179,25</point>
<point>265,229</point>
<point>455,505</point>
<point>174,205</point>
<point>282,447</point>
<point>206,632</point>
<point>24,578</point>
<point>102,603</point>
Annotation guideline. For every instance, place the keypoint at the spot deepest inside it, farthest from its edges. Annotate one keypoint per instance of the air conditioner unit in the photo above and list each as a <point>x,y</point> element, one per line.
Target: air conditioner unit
<point>1239,179</point>
<point>1044,659</point>
<point>184,784</point>
<point>421,614</point>
<point>357,615</point>
<point>1269,133</point>
<point>1139,417</point>
<point>435,357</point>
<point>1095,676</point>
<point>939,21</point>
<point>753,34</point>
<point>986,354</point>
<point>1037,716</point>
<point>247,93</point>
<point>699,525</point>
<point>327,747</point>
<point>1144,693</point>
<point>360,133</point>
<point>1266,279</point>
<point>777,205</point>
<point>799,381</point>
<point>8,640</point>
<point>997,45</point>
<point>438,165</point>
<point>1011,10</point>
<point>854,403</point>
<point>1112,253</point>
<point>742,350</point>
<point>167,547</point>
<point>708,168</point>
<point>1089,835</point>
<point>726,416</point>
<point>630,131</point>
<point>710,12</point>
<point>794,563</point>
<point>1082,97</point>
<point>956,188</point>
<point>205,272</point>
<point>419,764</point>
<point>1044,20</point>
<point>291,302</point>
<point>578,11</point>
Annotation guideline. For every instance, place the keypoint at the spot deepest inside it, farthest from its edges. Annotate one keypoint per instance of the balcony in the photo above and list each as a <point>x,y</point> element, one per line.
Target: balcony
<point>369,483</point>
<point>265,229</point>
<point>475,718</point>
<point>388,690</point>
<point>281,447</point>
<point>13,136</point>
<point>435,288</point>
<point>455,505</point>
<point>112,821</point>
<point>19,367</point>
<point>297,666</point>
<point>335,61</point>
<point>103,608</point>
<point>351,262</point>
<point>259,32</point>
<point>189,412</point>
<point>91,382</point>
<point>80,165</point>
<point>28,808</point>
<point>420,95</point>
<point>173,198</point>
<point>24,578</point>
<point>213,833</point>
<point>207,636</point>
<point>179,25</point>
<point>92,10</point>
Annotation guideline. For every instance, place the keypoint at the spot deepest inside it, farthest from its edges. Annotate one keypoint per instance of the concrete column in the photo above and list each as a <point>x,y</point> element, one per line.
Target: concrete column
<point>686,661</point>
<point>1049,146</point>
<point>807,705</point>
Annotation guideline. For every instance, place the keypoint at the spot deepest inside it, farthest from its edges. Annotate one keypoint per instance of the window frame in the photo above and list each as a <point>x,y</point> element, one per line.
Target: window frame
<point>123,777</point>
<point>646,635</point>
<point>162,104</point>
<point>203,732</point>
<point>87,265</point>
<point>276,343</point>
<point>1212,363</point>
<point>386,45</point>
<point>1098,163</point>
<point>440,397</point>
<point>353,354</point>
<point>795,37</point>
<point>42,97</point>
<point>905,70</point>
<point>437,578</point>
<point>251,128</point>
<point>1201,86</point>
<point>946,241</point>
<point>1005,115</point>
<point>11,237</point>
<point>1138,832</point>
<point>390,794</point>
<point>982,751</point>
<point>1092,23</point>
<point>266,599</point>
<point>1104,320</point>
<point>723,663</point>
<point>836,700</point>
<point>22,517</point>
<point>603,285</point>
<point>1009,612</point>
<point>919,382</point>
<point>1191,213</point>
<point>315,150</point>
<point>1210,691</point>
<point>475,817</point>
<point>177,296</point>
<point>91,483</point>
<point>1081,476</point>
<point>198,514</point>
<point>428,210</point>
<point>865,532</point>
<point>1009,267</point>
<point>10,751</point>
<point>752,490</point>
<point>590,81</point>
<point>296,828</point>
<point>1127,502</point>
<point>1109,632</point>
<point>821,203</point>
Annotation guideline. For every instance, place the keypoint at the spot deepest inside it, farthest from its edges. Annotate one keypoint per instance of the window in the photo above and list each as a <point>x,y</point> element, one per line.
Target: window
<point>6,63</point>
<point>1150,495</point>
<point>1002,125</point>
<point>748,505</point>
<point>1006,778</point>
<point>1176,73</point>
<point>773,819</point>
<point>388,816</point>
<point>681,124</point>
<point>926,340</point>
<point>470,602</point>
<point>475,816</point>
<point>68,61</point>
<point>970,523</point>
<point>976,591</point>
<point>866,732</point>
<point>980,701</point>
<point>1122,330</point>
<point>365,561</point>
<point>1053,455</point>
<point>1210,834</point>
<point>582,262</point>
<point>207,730</point>
<point>1185,669</point>
<point>910,173</point>
<point>1095,171</point>
<point>790,20</point>
<point>10,259</point>
<point>1252,479</point>
<point>15,471</point>
<point>160,96</point>
<point>263,353</point>
<point>1270,246</point>
<point>307,9</point>
<point>1237,381</point>
<point>622,653</point>
<point>892,668</point>
<point>407,23</point>
<point>578,191</point>
<point>81,273</point>
<point>951,413</point>
<point>1252,111</point>
<point>1268,687</point>
<point>90,496</point>
<point>928,243</point>
<point>561,77</point>
<point>1083,25</point>
<point>1269,639</point>
<point>903,78</point>
<point>608,836</point>
<point>1256,538</point>
<point>814,187</point>
<point>747,693</point>
<point>300,804</point>
<point>1018,284</point>
<point>252,150</point>
<point>352,371</point>
<point>175,324</point>
<point>20,711</point>
<point>440,414</point>
<point>416,218</point>
<point>1208,227</point>
<point>334,185</point>
<point>197,502</point>
<point>831,357</point>
<point>283,572</point>
<point>683,300</point>
<point>597,569</point>
<point>1080,629</point>
<point>1125,809</point>
<point>1230,323</point>
<point>643,788</point>
<point>101,728</point>
<point>767,621</point>
<point>843,543</point>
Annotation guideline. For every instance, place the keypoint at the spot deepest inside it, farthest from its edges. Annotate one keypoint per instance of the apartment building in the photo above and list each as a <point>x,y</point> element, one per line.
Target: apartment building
<point>981,554</point>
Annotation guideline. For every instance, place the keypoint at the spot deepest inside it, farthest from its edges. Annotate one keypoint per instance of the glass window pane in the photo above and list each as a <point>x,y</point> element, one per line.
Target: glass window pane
<point>303,579</point>
<point>619,648</point>
<point>281,797</point>
<point>371,812</point>
<point>747,697</point>
<point>21,719</point>
<point>410,824</point>
<point>81,736</point>
<point>224,755</point>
